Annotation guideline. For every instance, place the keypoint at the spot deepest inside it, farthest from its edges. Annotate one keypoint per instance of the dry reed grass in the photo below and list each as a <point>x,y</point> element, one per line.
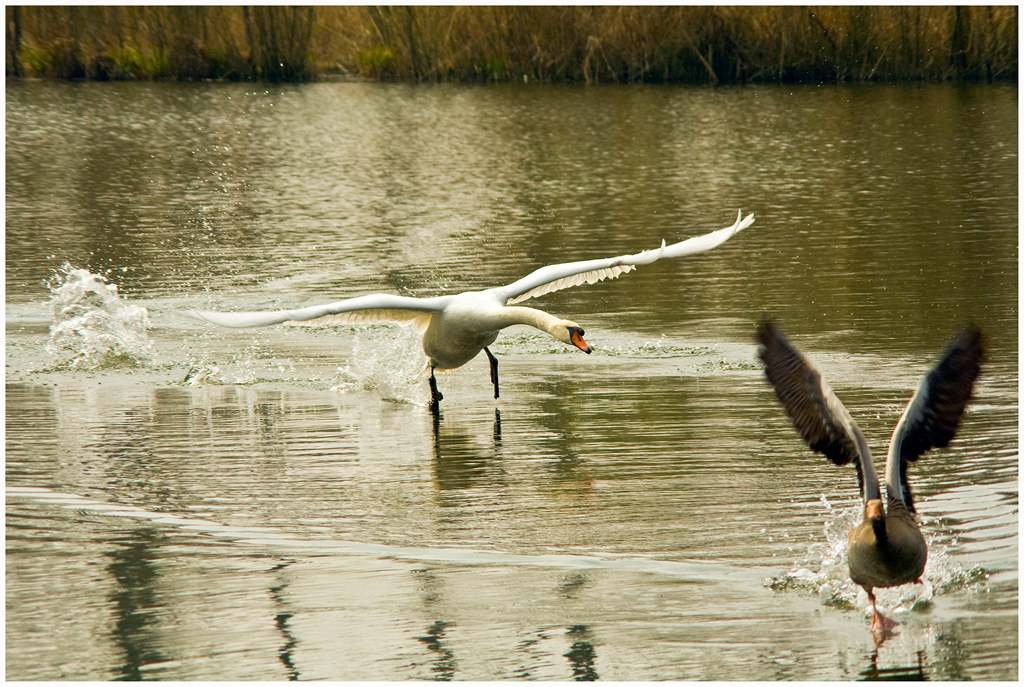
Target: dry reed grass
<point>582,44</point>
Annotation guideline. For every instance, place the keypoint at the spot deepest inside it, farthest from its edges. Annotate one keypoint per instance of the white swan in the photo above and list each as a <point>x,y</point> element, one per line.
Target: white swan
<point>456,328</point>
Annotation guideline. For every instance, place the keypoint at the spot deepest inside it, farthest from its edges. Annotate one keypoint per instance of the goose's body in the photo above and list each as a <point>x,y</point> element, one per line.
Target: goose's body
<point>886,549</point>
<point>456,328</point>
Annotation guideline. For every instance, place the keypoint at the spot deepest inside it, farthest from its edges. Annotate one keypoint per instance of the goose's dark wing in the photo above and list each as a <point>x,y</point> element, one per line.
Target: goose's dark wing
<point>817,413</point>
<point>933,413</point>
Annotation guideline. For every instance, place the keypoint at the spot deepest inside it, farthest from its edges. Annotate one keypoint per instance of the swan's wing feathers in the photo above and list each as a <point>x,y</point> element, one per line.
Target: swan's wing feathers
<point>240,319</point>
<point>818,415</point>
<point>418,320</point>
<point>379,307</point>
<point>562,276</point>
<point>699,244</point>
<point>589,277</point>
<point>933,414</point>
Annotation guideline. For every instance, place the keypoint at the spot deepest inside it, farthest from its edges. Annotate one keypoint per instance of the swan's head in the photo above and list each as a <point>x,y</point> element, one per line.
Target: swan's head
<point>570,333</point>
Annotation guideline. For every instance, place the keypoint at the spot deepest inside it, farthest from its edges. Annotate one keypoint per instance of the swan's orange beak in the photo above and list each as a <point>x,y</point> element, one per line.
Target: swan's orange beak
<point>576,336</point>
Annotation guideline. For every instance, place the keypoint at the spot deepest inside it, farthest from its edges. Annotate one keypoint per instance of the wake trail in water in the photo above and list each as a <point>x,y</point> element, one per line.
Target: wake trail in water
<point>93,327</point>
<point>276,538</point>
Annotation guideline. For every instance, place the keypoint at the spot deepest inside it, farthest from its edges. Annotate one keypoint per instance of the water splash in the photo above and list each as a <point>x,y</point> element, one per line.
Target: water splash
<point>823,571</point>
<point>201,372</point>
<point>947,574</point>
<point>92,326</point>
<point>831,582</point>
<point>659,348</point>
<point>245,367</point>
<point>390,365</point>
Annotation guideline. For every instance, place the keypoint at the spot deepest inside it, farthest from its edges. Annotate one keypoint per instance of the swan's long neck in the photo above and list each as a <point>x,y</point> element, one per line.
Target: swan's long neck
<point>538,319</point>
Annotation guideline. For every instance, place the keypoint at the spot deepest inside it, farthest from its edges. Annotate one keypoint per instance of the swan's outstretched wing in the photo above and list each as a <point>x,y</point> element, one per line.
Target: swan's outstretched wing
<point>378,307</point>
<point>557,277</point>
<point>820,418</point>
<point>933,413</point>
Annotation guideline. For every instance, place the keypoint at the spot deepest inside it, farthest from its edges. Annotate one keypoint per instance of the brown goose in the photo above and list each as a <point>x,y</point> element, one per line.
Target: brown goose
<point>887,548</point>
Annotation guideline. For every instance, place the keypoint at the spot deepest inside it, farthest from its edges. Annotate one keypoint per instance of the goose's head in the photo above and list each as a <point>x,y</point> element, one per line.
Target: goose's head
<point>875,514</point>
<point>570,333</point>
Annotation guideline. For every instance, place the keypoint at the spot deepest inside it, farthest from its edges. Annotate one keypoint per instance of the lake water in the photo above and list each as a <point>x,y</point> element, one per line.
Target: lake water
<point>186,502</point>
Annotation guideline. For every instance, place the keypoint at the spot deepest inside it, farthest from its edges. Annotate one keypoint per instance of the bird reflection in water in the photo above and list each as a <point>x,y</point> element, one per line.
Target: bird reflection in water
<point>133,566</point>
<point>906,673</point>
<point>444,664</point>
<point>581,654</point>
<point>459,460</point>
<point>281,622</point>
<point>436,417</point>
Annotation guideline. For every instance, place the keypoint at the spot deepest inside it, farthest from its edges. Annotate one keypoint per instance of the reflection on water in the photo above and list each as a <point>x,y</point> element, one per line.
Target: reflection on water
<point>581,654</point>
<point>135,602</point>
<point>279,503</point>
<point>282,619</point>
<point>902,673</point>
<point>444,665</point>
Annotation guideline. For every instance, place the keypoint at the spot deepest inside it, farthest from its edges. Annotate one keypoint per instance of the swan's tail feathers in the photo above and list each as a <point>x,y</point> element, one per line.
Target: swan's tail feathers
<point>699,244</point>
<point>240,319</point>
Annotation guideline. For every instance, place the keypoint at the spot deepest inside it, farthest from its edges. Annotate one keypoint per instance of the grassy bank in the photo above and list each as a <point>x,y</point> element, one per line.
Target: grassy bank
<point>546,44</point>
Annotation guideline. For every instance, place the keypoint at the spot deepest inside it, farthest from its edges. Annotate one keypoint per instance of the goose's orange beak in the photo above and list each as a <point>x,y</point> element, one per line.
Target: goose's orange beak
<point>873,510</point>
<point>576,337</point>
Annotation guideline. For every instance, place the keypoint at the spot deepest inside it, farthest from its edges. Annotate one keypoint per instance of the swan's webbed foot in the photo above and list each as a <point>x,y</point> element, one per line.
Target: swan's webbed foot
<point>435,396</point>
<point>494,370</point>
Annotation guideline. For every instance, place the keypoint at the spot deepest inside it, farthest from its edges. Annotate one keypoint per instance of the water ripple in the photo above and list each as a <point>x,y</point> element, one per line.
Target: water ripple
<point>275,537</point>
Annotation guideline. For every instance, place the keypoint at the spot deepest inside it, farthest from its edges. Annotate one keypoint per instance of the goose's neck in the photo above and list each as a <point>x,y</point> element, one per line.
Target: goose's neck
<point>871,487</point>
<point>878,527</point>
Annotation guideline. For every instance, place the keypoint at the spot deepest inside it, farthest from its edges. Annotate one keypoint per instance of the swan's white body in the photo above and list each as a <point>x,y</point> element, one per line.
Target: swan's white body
<point>456,328</point>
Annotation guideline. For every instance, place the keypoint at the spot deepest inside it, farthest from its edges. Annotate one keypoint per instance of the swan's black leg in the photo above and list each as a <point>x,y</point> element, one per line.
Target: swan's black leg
<point>494,369</point>
<point>435,396</point>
